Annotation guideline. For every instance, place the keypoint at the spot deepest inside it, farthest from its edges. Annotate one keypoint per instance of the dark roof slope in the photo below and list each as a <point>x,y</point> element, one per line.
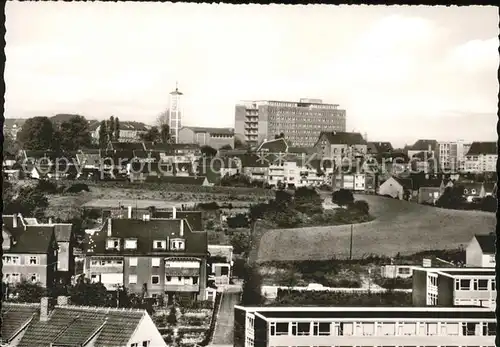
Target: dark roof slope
<point>36,239</point>
<point>73,326</point>
<point>127,146</point>
<point>274,146</point>
<point>194,218</point>
<point>478,148</point>
<point>379,147</point>
<point>146,232</point>
<point>406,183</point>
<point>343,138</point>
<point>423,145</point>
<point>16,316</point>
<point>486,242</point>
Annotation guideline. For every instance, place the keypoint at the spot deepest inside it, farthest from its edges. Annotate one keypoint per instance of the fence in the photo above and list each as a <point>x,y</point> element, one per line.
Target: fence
<point>211,329</point>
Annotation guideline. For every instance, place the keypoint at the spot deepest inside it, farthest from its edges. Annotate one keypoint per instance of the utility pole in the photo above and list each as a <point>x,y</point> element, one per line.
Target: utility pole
<point>350,245</point>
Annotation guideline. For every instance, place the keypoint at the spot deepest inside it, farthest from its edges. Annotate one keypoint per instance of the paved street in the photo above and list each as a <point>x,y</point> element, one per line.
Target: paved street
<point>223,335</point>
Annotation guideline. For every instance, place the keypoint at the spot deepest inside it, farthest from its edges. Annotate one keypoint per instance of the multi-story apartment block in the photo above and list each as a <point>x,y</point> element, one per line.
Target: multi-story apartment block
<point>481,157</point>
<point>364,326</point>
<point>300,122</point>
<point>213,137</point>
<point>29,253</point>
<point>158,257</point>
<point>480,251</point>
<point>454,287</point>
<point>342,148</point>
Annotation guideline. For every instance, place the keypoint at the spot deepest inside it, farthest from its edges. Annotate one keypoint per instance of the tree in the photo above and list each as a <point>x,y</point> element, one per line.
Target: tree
<point>103,135</point>
<point>37,134</point>
<point>162,119</point>
<point>361,206</point>
<point>152,135</point>
<point>238,144</point>
<point>342,197</point>
<point>27,200</point>
<point>489,204</point>
<point>111,128</point>
<point>279,136</point>
<point>74,134</point>
<point>240,220</point>
<point>172,316</point>
<point>165,133</point>
<point>208,151</point>
<point>88,294</point>
<point>117,129</point>
<point>308,201</point>
<point>29,291</point>
<point>10,145</point>
<point>252,287</point>
<point>241,242</point>
<point>226,147</point>
<point>452,198</point>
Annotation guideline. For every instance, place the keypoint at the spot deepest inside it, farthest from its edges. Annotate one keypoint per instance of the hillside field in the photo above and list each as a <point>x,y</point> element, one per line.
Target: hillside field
<point>400,226</point>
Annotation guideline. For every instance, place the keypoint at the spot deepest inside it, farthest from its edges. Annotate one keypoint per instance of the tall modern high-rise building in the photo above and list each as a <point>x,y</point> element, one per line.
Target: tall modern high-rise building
<point>175,112</point>
<point>301,122</point>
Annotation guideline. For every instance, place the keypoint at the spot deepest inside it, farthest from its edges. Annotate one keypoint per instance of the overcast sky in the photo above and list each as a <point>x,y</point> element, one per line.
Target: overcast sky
<point>402,73</point>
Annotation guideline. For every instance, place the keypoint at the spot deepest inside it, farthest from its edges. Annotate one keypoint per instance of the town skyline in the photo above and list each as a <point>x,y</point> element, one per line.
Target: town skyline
<point>436,75</point>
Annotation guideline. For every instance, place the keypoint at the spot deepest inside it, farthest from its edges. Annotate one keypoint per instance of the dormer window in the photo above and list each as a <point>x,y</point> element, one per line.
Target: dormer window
<point>113,244</point>
<point>131,244</point>
<point>177,245</point>
<point>159,244</point>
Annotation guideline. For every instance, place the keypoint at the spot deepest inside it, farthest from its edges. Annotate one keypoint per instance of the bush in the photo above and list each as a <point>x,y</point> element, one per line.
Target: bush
<point>240,220</point>
<point>394,283</point>
<point>77,188</point>
<point>342,197</point>
<point>46,186</point>
<point>172,316</point>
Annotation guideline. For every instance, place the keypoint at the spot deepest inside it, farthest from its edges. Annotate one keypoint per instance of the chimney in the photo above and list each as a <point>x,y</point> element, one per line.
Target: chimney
<point>427,262</point>
<point>44,309</point>
<point>62,300</point>
<point>429,148</point>
<point>174,212</point>
<point>109,227</point>
<point>50,220</point>
<point>14,221</point>
<point>129,214</point>
<point>181,233</point>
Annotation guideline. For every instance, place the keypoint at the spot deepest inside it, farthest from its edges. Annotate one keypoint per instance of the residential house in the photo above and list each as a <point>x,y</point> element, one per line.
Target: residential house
<point>379,147</point>
<point>155,257</point>
<point>213,137</point>
<point>397,271</point>
<point>65,256</point>
<point>388,164</point>
<point>454,287</point>
<point>429,191</point>
<point>355,182</point>
<point>221,261</point>
<point>15,320</point>
<point>129,131</point>
<point>284,169</point>
<point>451,155</point>
<point>255,167</point>
<point>278,145</point>
<point>426,146</point>
<point>363,326</point>
<point>67,325</point>
<point>472,190</point>
<point>482,157</point>
<point>480,251</point>
<point>397,188</point>
<point>29,254</point>
<point>341,147</point>
<point>230,165</point>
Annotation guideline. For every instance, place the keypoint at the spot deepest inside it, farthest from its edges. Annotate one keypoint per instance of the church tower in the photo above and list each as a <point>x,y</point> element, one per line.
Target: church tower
<point>175,113</point>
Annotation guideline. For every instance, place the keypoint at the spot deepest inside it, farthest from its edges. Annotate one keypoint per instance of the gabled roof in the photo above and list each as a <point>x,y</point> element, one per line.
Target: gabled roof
<point>486,242</point>
<point>63,232</point>
<point>35,240</point>
<point>127,146</point>
<point>430,183</point>
<point>194,218</point>
<point>478,148</point>
<point>343,138</point>
<point>274,146</point>
<point>423,145</point>
<point>15,317</point>
<point>146,232</point>
<point>379,147</point>
<point>406,183</point>
<point>490,187</point>
<point>300,150</point>
<point>142,154</point>
<point>74,326</point>
<point>212,131</point>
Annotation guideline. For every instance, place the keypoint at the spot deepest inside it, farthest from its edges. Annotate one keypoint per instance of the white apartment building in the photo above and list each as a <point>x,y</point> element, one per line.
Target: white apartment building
<point>481,157</point>
<point>451,155</point>
<point>364,326</point>
<point>454,287</point>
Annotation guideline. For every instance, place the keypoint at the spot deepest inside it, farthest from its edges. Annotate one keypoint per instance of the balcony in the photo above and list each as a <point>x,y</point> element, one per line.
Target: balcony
<point>182,288</point>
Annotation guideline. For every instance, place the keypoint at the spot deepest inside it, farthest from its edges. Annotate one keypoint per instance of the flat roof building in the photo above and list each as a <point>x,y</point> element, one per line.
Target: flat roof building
<point>300,122</point>
<point>364,326</point>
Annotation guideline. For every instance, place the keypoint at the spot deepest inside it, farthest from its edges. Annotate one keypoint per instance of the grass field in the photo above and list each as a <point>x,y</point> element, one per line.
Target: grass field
<point>399,226</point>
